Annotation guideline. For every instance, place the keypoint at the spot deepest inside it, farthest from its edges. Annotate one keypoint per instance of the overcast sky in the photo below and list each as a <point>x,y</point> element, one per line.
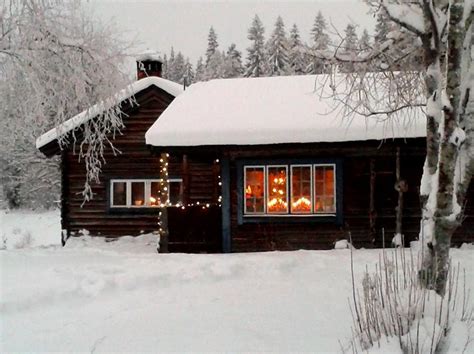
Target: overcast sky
<point>158,25</point>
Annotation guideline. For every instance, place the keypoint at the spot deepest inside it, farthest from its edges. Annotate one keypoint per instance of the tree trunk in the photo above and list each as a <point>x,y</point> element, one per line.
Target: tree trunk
<point>447,203</point>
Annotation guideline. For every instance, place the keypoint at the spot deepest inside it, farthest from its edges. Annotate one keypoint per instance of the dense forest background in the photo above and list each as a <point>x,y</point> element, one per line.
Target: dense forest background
<point>282,52</point>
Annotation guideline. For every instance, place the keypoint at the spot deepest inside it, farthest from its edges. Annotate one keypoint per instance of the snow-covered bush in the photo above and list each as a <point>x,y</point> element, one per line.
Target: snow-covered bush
<point>17,238</point>
<point>392,311</point>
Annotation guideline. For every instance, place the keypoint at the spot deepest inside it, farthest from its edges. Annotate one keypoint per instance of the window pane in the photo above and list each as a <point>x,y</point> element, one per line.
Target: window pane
<point>329,180</point>
<point>176,192</point>
<point>254,190</point>
<point>155,196</point>
<point>277,187</point>
<point>138,193</point>
<point>119,193</point>
<point>301,189</point>
<point>324,191</point>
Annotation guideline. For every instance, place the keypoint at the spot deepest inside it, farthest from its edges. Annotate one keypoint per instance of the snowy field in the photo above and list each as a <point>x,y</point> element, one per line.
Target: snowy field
<point>93,296</point>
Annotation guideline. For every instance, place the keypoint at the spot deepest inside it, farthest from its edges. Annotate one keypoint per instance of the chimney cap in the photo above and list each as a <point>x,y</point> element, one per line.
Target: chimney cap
<point>149,55</point>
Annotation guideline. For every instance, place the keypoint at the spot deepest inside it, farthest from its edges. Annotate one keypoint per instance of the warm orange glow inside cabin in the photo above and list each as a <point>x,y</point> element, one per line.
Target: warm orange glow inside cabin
<point>301,189</point>
<point>277,195</point>
<point>324,190</point>
<point>254,190</point>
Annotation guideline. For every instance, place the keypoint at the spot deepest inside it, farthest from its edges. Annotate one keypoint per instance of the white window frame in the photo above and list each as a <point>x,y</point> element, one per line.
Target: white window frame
<point>333,165</point>
<point>128,191</point>
<point>267,167</point>
<point>264,190</point>
<point>311,187</point>
<point>289,191</point>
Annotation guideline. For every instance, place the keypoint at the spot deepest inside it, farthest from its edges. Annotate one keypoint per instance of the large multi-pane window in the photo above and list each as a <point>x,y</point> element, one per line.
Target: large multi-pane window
<point>299,189</point>
<point>143,193</point>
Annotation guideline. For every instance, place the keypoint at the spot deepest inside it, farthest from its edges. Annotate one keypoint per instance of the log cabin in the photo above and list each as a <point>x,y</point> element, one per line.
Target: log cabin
<point>251,164</point>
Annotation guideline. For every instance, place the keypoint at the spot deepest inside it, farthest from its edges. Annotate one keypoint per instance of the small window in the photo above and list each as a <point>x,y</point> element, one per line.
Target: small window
<point>254,190</point>
<point>138,194</point>
<point>119,193</point>
<point>144,193</point>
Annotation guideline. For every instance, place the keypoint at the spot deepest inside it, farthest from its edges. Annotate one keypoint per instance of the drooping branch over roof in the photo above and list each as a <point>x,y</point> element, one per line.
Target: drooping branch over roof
<point>170,87</point>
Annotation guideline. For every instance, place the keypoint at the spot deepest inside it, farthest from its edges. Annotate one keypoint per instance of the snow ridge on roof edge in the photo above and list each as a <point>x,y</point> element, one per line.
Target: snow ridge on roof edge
<point>168,86</point>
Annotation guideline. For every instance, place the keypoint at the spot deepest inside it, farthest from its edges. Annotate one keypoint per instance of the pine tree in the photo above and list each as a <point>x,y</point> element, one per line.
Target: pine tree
<point>188,73</point>
<point>232,63</point>
<point>211,44</point>
<point>297,53</point>
<point>320,42</point>
<point>164,69</point>
<point>200,70</point>
<point>178,69</point>
<point>256,55</point>
<point>170,71</point>
<point>277,51</point>
<point>382,27</point>
<point>214,68</point>
<point>364,42</point>
<point>349,48</point>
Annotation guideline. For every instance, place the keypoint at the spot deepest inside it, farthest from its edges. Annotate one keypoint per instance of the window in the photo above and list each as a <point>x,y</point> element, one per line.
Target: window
<point>301,182</point>
<point>254,190</point>
<point>290,189</point>
<point>277,182</point>
<point>143,193</point>
<point>324,195</point>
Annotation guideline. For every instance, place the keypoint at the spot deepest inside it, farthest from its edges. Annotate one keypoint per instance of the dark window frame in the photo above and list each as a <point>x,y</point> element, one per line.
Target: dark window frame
<point>336,218</point>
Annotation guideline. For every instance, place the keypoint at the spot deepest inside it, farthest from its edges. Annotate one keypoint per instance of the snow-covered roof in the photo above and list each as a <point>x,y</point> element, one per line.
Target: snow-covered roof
<point>271,110</point>
<point>171,87</point>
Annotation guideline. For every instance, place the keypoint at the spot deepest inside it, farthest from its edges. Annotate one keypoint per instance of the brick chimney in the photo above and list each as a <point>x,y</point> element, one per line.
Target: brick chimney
<point>149,64</point>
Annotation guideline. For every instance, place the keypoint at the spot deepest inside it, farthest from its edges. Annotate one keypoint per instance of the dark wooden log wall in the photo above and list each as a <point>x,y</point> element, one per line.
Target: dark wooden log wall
<point>135,161</point>
<point>357,157</point>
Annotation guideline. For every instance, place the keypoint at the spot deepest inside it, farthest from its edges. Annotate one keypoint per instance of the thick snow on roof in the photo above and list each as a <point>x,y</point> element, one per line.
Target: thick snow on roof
<point>272,110</point>
<point>149,55</point>
<point>171,87</point>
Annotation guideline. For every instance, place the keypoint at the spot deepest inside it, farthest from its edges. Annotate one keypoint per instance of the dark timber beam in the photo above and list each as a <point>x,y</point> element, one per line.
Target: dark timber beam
<point>226,233</point>
<point>372,211</point>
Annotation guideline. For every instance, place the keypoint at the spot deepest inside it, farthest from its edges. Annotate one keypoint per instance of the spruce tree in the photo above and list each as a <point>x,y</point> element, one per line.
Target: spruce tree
<point>364,42</point>
<point>200,70</point>
<point>297,53</point>
<point>255,53</point>
<point>349,48</point>
<point>382,27</point>
<point>188,73</point>
<point>211,44</point>
<point>214,68</point>
<point>170,70</point>
<point>277,51</point>
<point>232,63</point>
<point>179,68</point>
<point>164,68</point>
<point>320,42</point>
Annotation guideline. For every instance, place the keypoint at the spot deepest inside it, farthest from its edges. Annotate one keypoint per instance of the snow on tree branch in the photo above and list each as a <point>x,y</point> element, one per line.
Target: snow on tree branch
<point>57,60</point>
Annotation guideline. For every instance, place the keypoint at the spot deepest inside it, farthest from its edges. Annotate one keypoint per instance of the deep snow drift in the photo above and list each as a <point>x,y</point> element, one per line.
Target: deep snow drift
<point>121,296</point>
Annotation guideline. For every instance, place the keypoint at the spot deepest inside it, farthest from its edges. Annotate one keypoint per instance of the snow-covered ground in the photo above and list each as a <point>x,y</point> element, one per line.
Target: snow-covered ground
<point>122,296</point>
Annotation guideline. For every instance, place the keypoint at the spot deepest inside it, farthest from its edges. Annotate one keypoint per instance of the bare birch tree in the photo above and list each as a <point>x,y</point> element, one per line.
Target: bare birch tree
<point>439,32</point>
